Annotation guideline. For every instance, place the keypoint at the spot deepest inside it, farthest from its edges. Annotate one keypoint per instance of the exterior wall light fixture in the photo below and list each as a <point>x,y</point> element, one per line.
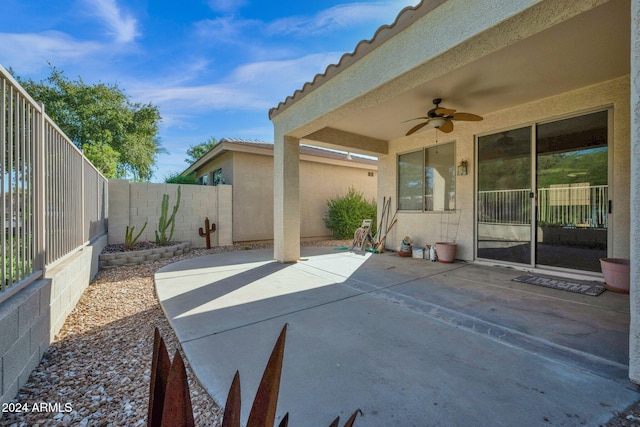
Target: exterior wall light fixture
<point>462,167</point>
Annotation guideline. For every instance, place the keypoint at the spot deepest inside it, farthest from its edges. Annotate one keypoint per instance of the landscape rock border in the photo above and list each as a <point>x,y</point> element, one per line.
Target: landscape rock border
<point>117,259</point>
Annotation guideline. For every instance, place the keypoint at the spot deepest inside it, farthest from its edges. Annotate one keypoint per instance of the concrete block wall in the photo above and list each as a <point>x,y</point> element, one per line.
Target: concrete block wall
<point>30,319</point>
<point>133,203</point>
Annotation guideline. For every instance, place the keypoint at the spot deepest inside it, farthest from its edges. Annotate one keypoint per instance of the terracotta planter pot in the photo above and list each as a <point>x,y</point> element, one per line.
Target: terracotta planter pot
<point>446,252</point>
<point>616,273</point>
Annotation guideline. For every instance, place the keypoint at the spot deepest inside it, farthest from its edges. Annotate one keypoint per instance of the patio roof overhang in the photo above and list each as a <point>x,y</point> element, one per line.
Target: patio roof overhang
<point>459,55</point>
<point>482,57</point>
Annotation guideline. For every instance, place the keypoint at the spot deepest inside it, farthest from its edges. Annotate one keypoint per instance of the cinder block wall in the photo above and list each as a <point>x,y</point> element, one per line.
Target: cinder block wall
<point>30,319</point>
<point>133,203</point>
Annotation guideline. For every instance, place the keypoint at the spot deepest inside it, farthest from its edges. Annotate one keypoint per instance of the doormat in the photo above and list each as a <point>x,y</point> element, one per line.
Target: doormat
<point>580,287</point>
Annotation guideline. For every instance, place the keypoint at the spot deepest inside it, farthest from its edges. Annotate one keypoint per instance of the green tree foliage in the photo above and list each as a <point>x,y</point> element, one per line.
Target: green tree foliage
<point>588,165</point>
<point>102,121</point>
<point>196,151</point>
<point>104,158</point>
<point>177,178</point>
<point>345,214</point>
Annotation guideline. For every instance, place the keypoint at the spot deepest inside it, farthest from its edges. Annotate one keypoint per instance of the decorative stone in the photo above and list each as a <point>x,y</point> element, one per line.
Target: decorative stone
<point>114,259</point>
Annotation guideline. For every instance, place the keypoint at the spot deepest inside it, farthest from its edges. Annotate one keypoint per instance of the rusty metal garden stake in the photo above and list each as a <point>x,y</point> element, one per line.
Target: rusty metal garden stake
<point>206,233</point>
<point>170,403</point>
<point>177,410</point>
<point>160,367</point>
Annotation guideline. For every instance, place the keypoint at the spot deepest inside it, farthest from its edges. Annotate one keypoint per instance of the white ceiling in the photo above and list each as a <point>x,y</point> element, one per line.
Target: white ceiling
<point>585,50</point>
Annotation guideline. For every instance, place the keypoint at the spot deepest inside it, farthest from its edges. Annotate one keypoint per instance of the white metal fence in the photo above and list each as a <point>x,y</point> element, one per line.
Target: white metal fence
<point>575,205</point>
<point>53,199</point>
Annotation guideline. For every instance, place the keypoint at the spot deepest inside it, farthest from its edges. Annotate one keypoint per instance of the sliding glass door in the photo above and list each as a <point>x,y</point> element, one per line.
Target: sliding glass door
<point>542,194</point>
<point>573,201</point>
<point>504,203</point>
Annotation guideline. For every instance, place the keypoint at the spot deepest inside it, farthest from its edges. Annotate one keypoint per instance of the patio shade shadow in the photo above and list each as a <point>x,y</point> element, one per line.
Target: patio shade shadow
<point>376,333</point>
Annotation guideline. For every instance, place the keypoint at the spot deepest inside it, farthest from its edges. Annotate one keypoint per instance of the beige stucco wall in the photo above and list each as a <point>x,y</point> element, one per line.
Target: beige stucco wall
<point>251,176</point>
<point>224,162</point>
<point>321,182</point>
<point>133,203</point>
<point>252,197</point>
<point>425,228</point>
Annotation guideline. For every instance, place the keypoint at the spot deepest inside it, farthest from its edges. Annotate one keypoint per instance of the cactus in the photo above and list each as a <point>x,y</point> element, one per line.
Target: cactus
<point>161,233</point>
<point>208,230</point>
<point>129,240</point>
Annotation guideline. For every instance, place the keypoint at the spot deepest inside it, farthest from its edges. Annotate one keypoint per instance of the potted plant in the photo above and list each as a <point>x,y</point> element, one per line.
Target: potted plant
<point>616,272</point>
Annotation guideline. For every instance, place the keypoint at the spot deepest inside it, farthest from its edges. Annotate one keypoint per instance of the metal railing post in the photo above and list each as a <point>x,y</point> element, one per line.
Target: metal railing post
<point>41,205</point>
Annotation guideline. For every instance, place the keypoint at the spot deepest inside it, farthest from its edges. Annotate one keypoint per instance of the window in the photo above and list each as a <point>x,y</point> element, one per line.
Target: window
<point>217,177</point>
<point>204,180</point>
<point>427,179</point>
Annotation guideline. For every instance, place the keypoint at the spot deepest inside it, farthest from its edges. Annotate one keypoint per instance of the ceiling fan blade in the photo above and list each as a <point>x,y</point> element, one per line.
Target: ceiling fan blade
<point>443,111</point>
<point>417,118</point>
<point>468,117</point>
<point>446,127</point>
<point>417,128</point>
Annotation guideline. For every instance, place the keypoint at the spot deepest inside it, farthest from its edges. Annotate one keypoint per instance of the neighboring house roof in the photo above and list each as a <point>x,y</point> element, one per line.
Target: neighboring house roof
<point>405,18</point>
<point>266,148</point>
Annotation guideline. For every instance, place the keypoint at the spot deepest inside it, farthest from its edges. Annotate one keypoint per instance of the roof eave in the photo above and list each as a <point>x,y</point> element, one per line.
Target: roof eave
<point>404,19</point>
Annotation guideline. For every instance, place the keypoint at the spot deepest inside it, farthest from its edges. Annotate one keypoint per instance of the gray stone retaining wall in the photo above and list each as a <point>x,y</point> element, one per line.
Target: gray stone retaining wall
<point>116,259</point>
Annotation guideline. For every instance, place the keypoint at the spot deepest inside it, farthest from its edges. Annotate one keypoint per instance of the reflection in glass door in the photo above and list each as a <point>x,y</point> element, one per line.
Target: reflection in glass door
<point>504,196</point>
<point>565,212</point>
<point>571,174</point>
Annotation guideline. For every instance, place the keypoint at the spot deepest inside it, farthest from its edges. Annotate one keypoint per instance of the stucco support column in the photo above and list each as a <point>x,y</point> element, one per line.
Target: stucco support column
<point>286,195</point>
<point>634,335</point>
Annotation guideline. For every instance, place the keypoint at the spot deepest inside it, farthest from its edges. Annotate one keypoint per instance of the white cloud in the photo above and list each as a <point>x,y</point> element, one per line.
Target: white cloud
<point>120,24</point>
<point>27,53</point>
<point>226,6</point>
<point>250,87</point>
<point>226,29</point>
<point>339,17</point>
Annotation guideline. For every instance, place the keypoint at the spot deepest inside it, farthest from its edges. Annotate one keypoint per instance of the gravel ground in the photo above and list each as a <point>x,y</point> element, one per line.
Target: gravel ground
<point>98,365</point>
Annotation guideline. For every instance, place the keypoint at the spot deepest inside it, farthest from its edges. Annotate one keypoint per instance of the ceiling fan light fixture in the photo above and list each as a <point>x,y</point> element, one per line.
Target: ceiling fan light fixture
<point>441,118</point>
<point>437,122</point>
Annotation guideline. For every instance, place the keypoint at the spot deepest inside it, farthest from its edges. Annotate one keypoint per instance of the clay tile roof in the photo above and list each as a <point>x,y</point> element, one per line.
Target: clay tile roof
<point>251,142</point>
<point>406,17</point>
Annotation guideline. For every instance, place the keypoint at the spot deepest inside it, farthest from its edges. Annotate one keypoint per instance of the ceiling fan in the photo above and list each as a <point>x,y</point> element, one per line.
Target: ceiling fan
<point>441,118</point>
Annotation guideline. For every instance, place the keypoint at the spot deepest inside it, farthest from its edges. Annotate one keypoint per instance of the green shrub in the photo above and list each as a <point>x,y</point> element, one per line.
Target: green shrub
<point>345,214</point>
<point>177,178</point>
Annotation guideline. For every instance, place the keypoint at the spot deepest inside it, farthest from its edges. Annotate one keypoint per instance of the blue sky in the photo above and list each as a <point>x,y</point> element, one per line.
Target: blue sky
<point>213,67</point>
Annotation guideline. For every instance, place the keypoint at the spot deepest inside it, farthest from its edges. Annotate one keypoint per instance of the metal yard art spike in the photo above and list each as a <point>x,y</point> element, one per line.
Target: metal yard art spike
<point>170,404</point>
<point>207,232</point>
<point>160,367</point>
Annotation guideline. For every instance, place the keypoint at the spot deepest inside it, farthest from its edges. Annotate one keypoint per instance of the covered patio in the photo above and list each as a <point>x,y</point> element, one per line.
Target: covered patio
<point>520,66</point>
<point>408,341</point>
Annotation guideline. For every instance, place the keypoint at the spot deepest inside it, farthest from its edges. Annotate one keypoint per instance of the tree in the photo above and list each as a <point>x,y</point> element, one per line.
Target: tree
<point>102,121</point>
<point>196,151</point>
<point>104,158</point>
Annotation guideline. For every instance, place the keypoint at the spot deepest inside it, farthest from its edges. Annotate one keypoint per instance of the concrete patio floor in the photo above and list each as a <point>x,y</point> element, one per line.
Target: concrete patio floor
<point>409,342</point>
